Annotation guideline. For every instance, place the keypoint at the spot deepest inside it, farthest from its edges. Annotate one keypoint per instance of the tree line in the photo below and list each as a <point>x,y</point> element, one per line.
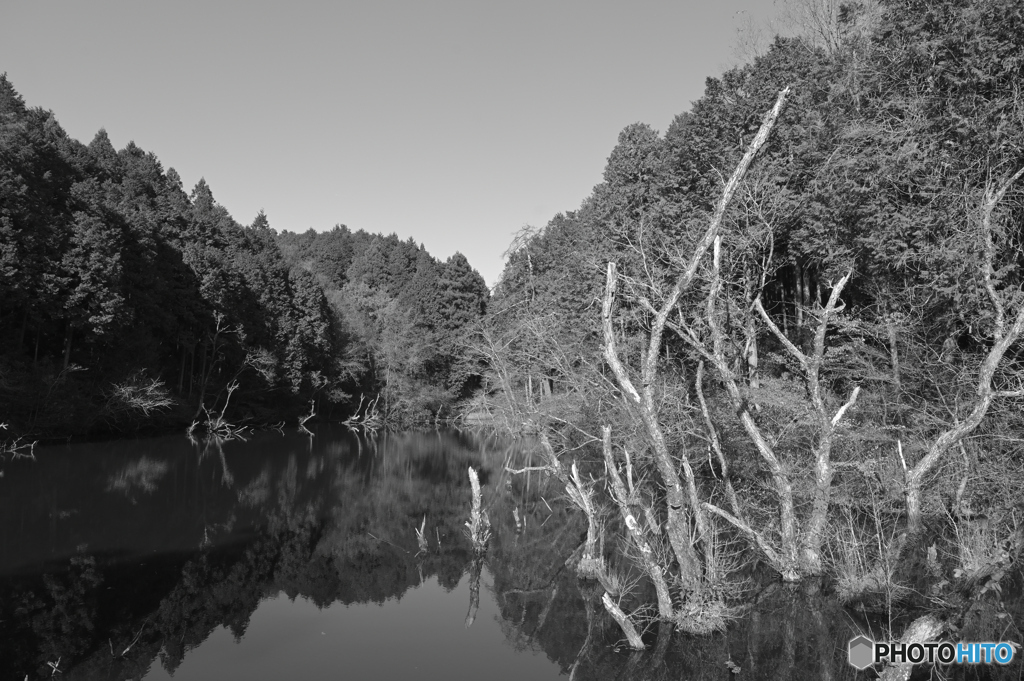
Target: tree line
<point>406,315</point>
<point>126,301</point>
<point>793,319</point>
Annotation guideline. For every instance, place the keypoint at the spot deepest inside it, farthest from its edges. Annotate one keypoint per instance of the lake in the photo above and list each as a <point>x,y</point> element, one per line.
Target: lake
<point>297,555</point>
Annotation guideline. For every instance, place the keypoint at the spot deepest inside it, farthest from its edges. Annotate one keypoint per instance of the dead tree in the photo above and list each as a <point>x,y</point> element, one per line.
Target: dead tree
<point>683,503</point>
<point>622,498</point>
<point>827,422</point>
<point>1003,336</point>
<point>784,558</point>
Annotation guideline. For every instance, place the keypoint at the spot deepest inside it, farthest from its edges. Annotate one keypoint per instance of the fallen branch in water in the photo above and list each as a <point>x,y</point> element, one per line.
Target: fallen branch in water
<point>216,424</point>
<point>16,448</point>
<point>369,420</point>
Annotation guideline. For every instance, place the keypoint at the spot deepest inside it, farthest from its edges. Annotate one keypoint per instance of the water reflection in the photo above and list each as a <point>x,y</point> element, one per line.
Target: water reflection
<point>420,636</point>
<point>139,476</point>
<point>292,555</point>
<point>133,559</point>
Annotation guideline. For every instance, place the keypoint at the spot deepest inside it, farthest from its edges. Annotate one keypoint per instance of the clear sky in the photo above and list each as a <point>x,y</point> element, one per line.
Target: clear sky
<point>454,123</point>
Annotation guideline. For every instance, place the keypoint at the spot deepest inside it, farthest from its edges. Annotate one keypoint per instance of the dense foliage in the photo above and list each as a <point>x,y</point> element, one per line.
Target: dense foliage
<point>405,316</point>
<point>838,363</point>
<point>124,297</point>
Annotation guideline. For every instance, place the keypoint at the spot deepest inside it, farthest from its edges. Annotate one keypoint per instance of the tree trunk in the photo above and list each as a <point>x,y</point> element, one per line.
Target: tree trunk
<point>621,496</point>
<point>894,357</point>
<point>916,475</point>
<point>922,630</point>
<point>181,372</point>
<point>783,490</point>
<point>645,405</point>
<point>202,371</point>
<point>811,365</point>
<point>21,333</point>
<point>627,626</point>
<point>678,523</point>
<point>1004,338</point>
<point>192,369</point>
<point>785,313</point>
<point>798,298</point>
<point>750,331</point>
<point>67,345</point>
<point>806,273</point>
<point>716,443</point>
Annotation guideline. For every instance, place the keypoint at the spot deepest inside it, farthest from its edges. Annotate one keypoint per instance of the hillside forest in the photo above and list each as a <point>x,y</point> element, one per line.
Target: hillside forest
<point>127,302</point>
<point>787,331</point>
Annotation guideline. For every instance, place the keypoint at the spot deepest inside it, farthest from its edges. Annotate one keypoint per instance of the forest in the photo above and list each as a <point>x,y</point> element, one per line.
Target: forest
<point>786,333</point>
<point>127,303</point>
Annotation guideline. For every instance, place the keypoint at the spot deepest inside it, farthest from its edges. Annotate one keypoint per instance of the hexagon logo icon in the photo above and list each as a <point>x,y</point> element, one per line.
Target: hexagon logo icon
<point>861,652</point>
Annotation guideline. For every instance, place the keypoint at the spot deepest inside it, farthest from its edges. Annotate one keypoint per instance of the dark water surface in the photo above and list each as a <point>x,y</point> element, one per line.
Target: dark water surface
<point>286,555</point>
<point>290,556</point>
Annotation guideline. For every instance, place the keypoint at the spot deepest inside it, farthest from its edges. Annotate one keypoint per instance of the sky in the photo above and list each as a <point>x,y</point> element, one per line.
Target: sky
<point>453,123</point>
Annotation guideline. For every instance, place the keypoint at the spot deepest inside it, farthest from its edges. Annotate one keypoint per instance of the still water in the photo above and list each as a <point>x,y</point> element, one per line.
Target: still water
<point>296,556</point>
<point>284,555</point>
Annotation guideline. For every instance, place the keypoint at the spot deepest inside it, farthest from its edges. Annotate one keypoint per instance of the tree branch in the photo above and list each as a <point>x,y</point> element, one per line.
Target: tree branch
<point>684,280</point>
<point>716,445</point>
<point>611,353</point>
<point>992,199</point>
<point>788,344</point>
<point>621,497</point>
<point>849,403</point>
<point>770,553</point>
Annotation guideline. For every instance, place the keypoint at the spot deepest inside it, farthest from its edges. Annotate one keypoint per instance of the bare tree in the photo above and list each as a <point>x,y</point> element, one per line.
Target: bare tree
<point>827,23</point>
<point>827,421</point>
<point>681,497</point>
<point>1004,335</point>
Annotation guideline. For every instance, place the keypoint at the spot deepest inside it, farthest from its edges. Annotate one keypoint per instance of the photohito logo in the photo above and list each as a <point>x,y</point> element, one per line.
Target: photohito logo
<point>863,652</point>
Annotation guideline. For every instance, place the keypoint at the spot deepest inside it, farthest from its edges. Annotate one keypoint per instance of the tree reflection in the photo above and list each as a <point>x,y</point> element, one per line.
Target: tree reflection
<point>334,519</point>
<point>141,475</point>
